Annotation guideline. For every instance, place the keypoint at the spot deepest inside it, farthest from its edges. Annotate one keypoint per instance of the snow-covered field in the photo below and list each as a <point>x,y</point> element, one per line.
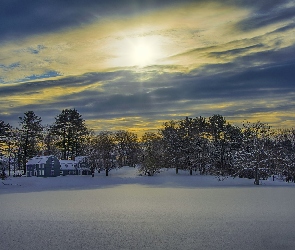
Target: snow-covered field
<point>128,211</point>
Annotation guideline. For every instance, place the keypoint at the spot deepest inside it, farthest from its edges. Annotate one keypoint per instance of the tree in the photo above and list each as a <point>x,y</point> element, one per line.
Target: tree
<point>6,144</point>
<point>30,134</point>
<point>192,132</point>
<point>71,132</point>
<point>90,152</point>
<point>171,144</point>
<point>255,151</point>
<point>283,160</point>
<point>216,132</point>
<point>49,142</point>
<point>153,159</point>
<point>104,144</point>
<point>127,148</point>
<point>4,136</point>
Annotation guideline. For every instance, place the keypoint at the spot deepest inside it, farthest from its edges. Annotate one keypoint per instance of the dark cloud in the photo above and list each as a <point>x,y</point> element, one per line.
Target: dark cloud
<point>264,15</point>
<point>168,91</point>
<point>287,27</point>
<point>260,6</point>
<point>72,81</point>
<point>20,18</point>
<point>238,51</point>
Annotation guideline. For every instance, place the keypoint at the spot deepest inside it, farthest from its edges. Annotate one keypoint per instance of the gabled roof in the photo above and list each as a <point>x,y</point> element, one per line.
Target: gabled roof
<point>67,165</point>
<point>80,158</point>
<point>38,160</point>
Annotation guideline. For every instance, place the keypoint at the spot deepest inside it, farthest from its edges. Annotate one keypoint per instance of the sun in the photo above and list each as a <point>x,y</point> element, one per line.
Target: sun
<point>142,53</point>
<point>137,52</point>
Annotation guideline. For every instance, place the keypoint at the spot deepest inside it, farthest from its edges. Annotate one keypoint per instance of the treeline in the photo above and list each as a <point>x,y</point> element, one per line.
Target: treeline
<point>208,145</point>
<point>214,146</point>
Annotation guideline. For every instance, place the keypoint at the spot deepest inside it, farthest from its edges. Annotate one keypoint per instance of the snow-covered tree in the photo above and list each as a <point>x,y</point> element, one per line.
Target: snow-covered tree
<point>255,153</point>
<point>216,132</point>
<point>186,144</point>
<point>172,143</point>
<point>283,160</point>
<point>153,156</point>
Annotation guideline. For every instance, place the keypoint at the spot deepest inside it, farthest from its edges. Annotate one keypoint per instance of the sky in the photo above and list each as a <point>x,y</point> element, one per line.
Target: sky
<point>134,64</point>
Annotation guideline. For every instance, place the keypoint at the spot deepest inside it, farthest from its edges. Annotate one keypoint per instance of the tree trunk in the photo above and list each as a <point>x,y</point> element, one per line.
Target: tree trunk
<point>107,172</point>
<point>9,158</point>
<point>24,160</point>
<point>256,182</point>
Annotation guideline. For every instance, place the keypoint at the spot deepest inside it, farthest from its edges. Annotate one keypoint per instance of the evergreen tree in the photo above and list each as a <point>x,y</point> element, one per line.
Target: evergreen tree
<point>9,145</point>
<point>71,132</point>
<point>30,134</point>
<point>4,136</point>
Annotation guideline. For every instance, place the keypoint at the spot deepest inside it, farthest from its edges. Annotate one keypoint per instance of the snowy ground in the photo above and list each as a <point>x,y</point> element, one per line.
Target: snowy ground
<point>128,211</point>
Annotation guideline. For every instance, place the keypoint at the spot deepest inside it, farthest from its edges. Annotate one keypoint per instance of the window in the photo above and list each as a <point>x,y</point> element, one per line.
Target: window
<point>52,172</point>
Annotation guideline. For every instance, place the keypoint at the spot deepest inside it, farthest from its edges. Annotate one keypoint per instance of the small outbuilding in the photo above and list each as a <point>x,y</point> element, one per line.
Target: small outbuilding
<point>43,166</point>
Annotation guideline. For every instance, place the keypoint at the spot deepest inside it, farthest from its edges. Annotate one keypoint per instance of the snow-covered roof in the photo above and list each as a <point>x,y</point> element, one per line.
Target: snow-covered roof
<point>38,160</point>
<point>79,158</point>
<point>67,165</point>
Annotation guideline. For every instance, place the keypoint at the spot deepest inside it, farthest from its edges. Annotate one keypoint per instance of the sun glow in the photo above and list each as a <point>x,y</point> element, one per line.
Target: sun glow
<point>138,52</point>
<point>142,53</point>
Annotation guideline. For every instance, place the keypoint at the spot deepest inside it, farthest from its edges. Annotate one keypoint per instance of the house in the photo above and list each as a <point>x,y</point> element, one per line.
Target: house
<point>43,166</point>
<point>83,165</point>
<point>68,167</point>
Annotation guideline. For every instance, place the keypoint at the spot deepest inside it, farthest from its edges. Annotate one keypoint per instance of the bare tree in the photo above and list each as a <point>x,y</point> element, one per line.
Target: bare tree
<point>104,144</point>
<point>127,148</point>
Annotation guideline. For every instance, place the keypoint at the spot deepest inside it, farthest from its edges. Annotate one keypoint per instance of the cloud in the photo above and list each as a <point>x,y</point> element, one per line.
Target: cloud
<point>275,13</point>
<point>19,19</point>
<point>235,58</point>
<point>102,44</point>
<point>119,94</point>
